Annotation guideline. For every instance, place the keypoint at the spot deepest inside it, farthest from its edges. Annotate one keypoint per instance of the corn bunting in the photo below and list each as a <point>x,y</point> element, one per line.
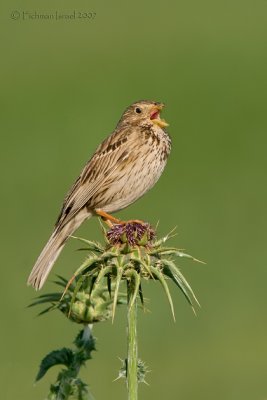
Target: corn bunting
<point>123,168</point>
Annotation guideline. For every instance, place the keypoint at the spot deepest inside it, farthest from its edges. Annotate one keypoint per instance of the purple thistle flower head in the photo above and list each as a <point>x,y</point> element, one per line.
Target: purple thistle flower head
<point>133,232</point>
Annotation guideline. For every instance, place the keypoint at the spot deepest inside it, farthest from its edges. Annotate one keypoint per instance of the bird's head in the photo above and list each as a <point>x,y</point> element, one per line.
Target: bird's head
<point>144,113</point>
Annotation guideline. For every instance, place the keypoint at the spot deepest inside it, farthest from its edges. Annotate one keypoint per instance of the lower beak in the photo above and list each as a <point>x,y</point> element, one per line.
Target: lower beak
<point>160,122</point>
<point>157,120</point>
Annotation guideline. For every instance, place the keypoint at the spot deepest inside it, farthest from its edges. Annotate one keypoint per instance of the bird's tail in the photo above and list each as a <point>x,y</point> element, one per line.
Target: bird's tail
<point>52,249</point>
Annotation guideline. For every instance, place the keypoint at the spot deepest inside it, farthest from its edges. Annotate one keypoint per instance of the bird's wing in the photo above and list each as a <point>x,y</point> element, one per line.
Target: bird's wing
<point>109,156</point>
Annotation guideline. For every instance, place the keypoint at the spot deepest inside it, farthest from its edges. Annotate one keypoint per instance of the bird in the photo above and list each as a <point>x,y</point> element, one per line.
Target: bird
<point>123,168</point>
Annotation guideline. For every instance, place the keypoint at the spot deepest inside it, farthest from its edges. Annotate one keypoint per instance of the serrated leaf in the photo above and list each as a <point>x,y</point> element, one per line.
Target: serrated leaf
<point>85,340</point>
<point>63,357</point>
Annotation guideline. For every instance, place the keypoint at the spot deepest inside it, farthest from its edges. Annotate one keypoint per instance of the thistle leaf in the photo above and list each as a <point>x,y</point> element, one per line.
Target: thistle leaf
<point>173,272</point>
<point>103,272</point>
<point>87,265</point>
<point>141,295</point>
<point>63,356</point>
<point>61,281</point>
<point>48,298</point>
<point>116,291</point>
<point>161,278</point>
<point>51,308</point>
<point>91,246</point>
<point>145,265</point>
<point>179,253</point>
<point>134,283</point>
<point>86,342</point>
<point>76,290</point>
<point>169,235</point>
<point>109,284</point>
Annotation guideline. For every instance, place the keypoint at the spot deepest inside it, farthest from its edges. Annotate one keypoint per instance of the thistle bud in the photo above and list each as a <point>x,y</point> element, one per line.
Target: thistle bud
<point>87,307</point>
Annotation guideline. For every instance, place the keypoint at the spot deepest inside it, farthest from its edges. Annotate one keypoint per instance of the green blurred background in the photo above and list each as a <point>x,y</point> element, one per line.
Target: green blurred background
<point>64,86</point>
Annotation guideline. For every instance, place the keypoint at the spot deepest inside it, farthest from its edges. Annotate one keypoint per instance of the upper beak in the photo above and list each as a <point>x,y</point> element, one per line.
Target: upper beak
<point>155,116</point>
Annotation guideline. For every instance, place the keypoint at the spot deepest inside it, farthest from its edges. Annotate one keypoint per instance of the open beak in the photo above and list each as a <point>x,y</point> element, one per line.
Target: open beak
<point>155,116</point>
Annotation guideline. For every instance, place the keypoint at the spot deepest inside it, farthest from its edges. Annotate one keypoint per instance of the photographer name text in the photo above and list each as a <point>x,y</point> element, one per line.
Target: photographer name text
<point>52,16</point>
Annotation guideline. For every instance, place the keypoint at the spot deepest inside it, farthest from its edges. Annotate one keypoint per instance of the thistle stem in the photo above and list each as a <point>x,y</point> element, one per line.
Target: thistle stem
<point>132,382</point>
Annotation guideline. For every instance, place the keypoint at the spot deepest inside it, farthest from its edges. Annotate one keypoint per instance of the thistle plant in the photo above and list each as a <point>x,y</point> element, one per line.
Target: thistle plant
<point>111,275</point>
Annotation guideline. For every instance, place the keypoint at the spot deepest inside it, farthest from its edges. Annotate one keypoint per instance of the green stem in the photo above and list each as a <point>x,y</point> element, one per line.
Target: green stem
<point>132,383</point>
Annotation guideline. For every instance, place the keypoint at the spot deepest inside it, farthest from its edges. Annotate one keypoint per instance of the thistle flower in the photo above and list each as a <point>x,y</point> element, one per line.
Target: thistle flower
<point>130,255</point>
<point>134,233</point>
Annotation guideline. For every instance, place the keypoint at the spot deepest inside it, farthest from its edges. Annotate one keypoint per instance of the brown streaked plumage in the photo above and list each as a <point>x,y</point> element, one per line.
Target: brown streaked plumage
<point>123,168</point>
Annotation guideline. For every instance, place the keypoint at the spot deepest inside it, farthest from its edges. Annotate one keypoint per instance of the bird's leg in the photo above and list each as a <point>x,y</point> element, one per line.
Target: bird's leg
<point>107,222</point>
<point>109,219</point>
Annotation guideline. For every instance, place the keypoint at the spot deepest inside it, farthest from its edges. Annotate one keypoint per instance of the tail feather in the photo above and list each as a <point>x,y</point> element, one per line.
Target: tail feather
<point>52,249</point>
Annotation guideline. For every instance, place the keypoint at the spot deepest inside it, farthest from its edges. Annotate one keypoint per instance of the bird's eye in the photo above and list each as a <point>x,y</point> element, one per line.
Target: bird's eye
<point>138,110</point>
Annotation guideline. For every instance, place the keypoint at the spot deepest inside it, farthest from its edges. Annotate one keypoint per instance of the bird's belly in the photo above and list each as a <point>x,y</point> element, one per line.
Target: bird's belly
<point>131,183</point>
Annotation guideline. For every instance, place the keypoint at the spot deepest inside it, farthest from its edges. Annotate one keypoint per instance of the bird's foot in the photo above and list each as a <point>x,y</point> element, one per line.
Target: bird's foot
<point>107,218</point>
<point>134,231</point>
<point>110,220</point>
